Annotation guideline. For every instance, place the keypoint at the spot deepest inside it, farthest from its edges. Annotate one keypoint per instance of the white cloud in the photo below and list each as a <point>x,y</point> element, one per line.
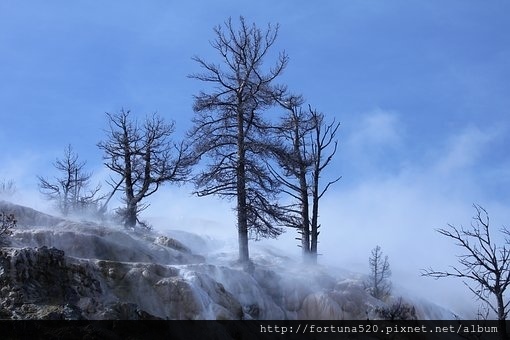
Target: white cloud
<point>401,210</point>
<point>377,128</point>
<point>372,141</point>
<point>465,148</point>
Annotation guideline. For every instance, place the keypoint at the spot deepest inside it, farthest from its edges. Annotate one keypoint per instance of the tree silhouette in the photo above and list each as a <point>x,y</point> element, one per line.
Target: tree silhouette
<point>144,158</point>
<point>229,127</point>
<point>70,190</point>
<point>7,223</point>
<point>378,283</point>
<point>7,188</point>
<point>301,141</point>
<point>484,266</point>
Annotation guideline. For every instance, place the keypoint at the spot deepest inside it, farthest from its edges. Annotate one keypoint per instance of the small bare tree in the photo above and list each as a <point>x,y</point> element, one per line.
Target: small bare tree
<point>378,283</point>
<point>70,191</point>
<point>7,188</point>
<point>484,267</point>
<point>144,158</point>
<point>398,310</point>
<point>7,223</point>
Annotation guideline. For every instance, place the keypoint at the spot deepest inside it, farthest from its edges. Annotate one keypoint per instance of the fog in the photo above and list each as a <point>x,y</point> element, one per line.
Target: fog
<point>397,208</point>
<point>352,225</point>
<point>422,101</point>
<point>398,216</point>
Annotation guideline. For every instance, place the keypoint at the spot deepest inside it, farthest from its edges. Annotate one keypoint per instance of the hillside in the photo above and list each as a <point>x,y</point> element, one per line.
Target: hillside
<point>55,268</point>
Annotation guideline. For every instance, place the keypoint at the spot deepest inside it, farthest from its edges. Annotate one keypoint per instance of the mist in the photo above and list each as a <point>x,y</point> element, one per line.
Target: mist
<point>353,223</point>
<point>146,268</point>
<point>397,209</point>
<point>422,101</point>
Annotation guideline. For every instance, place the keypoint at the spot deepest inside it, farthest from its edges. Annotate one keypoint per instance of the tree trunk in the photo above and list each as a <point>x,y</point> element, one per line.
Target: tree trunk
<point>315,218</point>
<point>242,218</point>
<point>242,213</point>
<point>501,317</point>
<point>303,191</point>
<point>305,216</point>
<point>130,213</point>
<point>130,221</point>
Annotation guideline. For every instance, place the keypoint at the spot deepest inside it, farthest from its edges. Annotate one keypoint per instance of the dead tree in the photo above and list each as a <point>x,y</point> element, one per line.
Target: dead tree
<point>378,283</point>
<point>7,223</point>
<point>302,139</point>
<point>324,146</point>
<point>484,266</point>
<point>70,190</point>
<point>229,127</point>
<point>7,188</point>
<point>292,151</point>
<point>144,158</point>
<point>398,310</point>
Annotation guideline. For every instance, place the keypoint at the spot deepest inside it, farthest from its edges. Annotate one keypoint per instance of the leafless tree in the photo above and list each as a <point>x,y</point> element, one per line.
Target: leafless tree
<point>484,266</point>
<point>230,130</point>
<point>291,150</point>
<point>398,310</point>
<point>7,223</point>
<point>70,190</point>
<point>323,141</point>
<point>378,283</point>
<point>302,139</point>
<point>143,157</point>
<point>7,188</point>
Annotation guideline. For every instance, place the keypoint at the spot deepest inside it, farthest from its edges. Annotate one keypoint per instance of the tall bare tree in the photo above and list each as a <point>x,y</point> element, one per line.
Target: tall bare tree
<point>378,283</point>
<point>484,266</point>
<point>230,130</point>
<point>324,147</point>
<point>292,152</point>
<point>300,147</point>
<point>143,157</point>
<point>70,191</point>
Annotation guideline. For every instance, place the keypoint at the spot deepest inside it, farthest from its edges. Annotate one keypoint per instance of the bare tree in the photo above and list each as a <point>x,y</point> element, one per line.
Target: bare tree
<point>70,191</point>
<point>291,150</point>
<point>378,283</point>
<point>229,127</point>
<point>302,139</point>
<point>323,139</point>
<point>484,266</point>
<point>143,157</point>
<point>7,223</point>
<point>7,188</point>
<point>398,310</point>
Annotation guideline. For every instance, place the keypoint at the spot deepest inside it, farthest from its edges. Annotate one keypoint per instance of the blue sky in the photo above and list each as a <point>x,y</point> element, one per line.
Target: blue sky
<point>421,89</point>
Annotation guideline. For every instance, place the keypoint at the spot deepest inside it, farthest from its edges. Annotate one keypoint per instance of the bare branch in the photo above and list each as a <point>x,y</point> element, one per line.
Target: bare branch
<point>70,191</point>
<point>483,263</point>
<point>229,128</point>
<point>144,158</point>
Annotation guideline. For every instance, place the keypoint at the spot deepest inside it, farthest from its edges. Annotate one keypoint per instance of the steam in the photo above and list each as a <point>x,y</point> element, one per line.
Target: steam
<point>149,263</point>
